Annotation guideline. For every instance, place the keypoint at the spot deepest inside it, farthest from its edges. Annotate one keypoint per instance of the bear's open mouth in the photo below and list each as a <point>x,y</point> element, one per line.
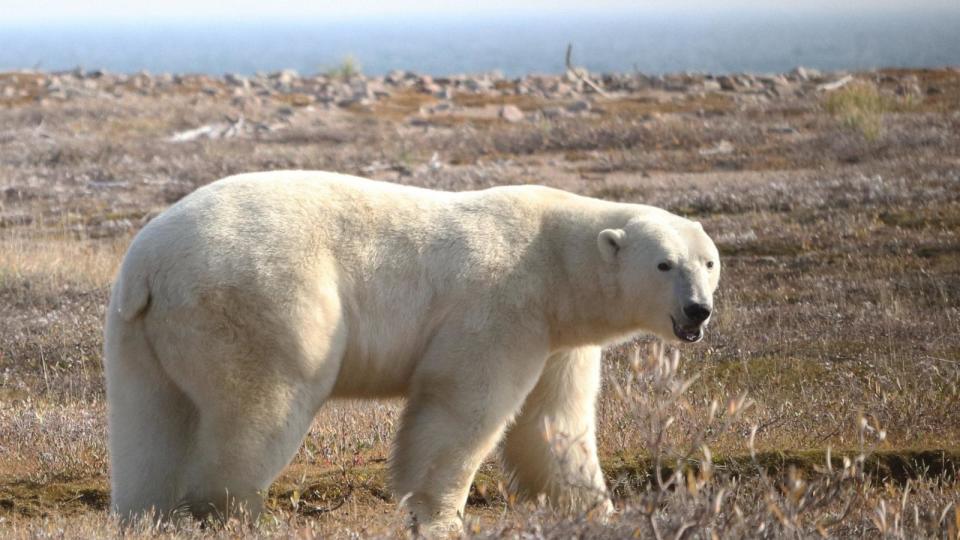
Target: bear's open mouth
<point>690,334</point>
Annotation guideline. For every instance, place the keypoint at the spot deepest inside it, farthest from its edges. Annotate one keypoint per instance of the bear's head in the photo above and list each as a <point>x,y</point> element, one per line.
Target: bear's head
<point>666,271</point>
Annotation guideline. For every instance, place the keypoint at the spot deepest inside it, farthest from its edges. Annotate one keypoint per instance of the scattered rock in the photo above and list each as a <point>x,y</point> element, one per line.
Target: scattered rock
<point>107,184</point>
<point>804,74</point>
<point>554,112</point>
<point>236,80</point>
<point>722,147</point>
<point>727,83</point>
<point>474,84</point>
<point>511,113</point>
<point>581,105</point>
<point>560,89</point>
<point>784,129</point>
<point>286,77</point>
<point>395,77</point>
<point>711,86</point>
<point>443,106</point>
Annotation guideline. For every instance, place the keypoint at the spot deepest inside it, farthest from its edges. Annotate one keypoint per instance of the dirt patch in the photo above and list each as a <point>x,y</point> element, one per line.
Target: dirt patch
<point>28,498</point>
<point>313,491</point>
<point>884,466</point>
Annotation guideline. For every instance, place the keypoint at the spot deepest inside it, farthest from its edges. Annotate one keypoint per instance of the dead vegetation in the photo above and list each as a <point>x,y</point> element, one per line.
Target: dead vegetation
<point>837,319</point>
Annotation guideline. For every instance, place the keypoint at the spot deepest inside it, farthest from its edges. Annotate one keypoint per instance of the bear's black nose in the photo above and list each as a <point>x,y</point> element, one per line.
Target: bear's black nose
<point>697,312</point>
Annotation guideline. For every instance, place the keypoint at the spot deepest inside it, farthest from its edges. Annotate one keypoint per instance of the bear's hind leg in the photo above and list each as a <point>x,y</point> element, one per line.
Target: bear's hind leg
<point>257,376</point>
<point>240,449</point>
<point>565,469</point>
<point>150,425</point>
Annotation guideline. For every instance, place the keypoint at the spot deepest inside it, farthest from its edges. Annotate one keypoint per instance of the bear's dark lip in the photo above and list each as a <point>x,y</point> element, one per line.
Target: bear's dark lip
<point>690,335</point>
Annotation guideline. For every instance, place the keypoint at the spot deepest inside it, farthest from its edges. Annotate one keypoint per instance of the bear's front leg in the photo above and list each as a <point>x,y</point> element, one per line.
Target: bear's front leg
<point>462,398</point>
<point>552,447</point>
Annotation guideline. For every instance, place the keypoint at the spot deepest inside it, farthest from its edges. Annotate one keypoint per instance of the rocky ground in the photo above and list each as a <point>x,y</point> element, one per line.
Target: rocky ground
<point>834,198</point>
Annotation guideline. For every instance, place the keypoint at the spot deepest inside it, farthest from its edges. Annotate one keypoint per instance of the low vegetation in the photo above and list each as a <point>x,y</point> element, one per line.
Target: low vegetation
<point>346,70</point>
<point>825,400</point>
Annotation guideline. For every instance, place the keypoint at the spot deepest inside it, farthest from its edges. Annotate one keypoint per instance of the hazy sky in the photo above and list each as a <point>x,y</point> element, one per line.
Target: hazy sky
<point>40,10</point>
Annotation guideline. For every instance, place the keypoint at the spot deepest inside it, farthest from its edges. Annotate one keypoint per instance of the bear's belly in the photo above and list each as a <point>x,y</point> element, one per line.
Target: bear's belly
<point>389,329</point>
<point>379,360</point>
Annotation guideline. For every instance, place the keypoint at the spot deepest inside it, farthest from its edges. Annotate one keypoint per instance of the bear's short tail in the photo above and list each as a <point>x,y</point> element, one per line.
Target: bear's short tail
<point>131,292</point>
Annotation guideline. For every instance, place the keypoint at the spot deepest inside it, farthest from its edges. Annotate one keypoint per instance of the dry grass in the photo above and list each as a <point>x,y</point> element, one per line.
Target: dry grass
<point>838,306</point>
<point>860,106</point>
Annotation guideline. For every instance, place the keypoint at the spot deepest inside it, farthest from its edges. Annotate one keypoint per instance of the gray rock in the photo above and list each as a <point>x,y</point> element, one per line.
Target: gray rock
<point>554,112</point>
<point>675,83</point>
<point>236,80</point>
<point>511,113</point>
<point>427,86</point>
<point>360,90</point>
<point>804,74</point>
<point>395,77</point>
<point>285,77</point>
<point>581,105</point>
<point>559,89</point>
<point>722,147</point>
<point>711,86</point>
<point>475,84</point>
<point>784,129</point>
<point>773,80</point>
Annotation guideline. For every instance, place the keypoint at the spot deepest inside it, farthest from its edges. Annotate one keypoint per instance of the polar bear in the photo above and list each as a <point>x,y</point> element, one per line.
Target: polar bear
<point>242,308</point>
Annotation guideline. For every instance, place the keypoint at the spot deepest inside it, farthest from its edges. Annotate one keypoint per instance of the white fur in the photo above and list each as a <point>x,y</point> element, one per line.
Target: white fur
<point>246,305</point>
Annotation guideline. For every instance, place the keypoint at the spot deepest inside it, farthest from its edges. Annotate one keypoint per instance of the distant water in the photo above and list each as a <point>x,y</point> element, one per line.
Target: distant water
<point>514,44</point>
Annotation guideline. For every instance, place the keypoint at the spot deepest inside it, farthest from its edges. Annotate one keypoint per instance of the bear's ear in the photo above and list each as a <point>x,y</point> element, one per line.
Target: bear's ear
<point>610,241</point>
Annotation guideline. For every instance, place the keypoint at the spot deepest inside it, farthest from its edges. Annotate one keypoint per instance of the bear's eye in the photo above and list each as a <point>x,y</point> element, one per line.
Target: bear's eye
<point>663,267</point>
<point>709,264</point>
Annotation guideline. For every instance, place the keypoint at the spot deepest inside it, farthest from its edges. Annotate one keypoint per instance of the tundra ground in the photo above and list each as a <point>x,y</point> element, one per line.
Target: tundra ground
<point>833,359</point>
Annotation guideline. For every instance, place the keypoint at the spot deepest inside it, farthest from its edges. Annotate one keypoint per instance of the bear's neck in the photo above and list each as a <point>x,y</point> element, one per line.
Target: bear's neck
<point>583,304</point>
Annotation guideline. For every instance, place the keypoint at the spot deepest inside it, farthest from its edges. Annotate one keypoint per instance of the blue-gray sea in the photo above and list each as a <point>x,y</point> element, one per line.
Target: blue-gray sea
<point>716,42</point>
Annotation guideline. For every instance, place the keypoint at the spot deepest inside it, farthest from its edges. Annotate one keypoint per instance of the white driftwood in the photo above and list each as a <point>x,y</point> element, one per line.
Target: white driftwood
<point>581,73</point>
